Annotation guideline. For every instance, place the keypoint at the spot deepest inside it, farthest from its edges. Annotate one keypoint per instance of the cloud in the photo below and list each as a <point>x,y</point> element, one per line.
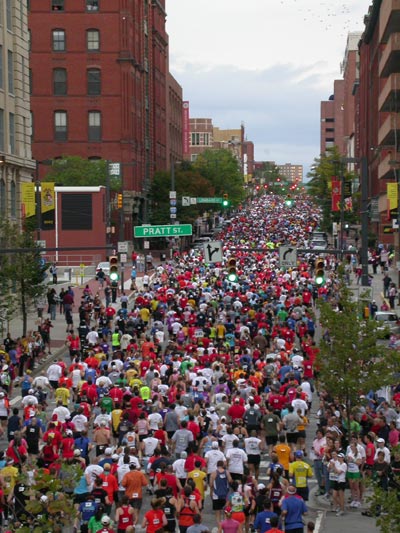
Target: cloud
<point>279,105</point>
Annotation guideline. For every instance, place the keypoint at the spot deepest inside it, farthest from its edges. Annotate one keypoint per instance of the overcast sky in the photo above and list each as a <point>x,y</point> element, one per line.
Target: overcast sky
<point>266,63</point>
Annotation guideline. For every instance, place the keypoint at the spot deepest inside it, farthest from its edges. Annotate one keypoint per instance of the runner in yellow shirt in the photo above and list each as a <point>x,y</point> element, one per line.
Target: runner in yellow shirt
<point>200,479</point>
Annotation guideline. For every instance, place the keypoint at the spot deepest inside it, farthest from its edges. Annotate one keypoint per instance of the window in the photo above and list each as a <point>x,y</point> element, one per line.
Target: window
<point>94,81</point>
<point>206,139</point>
<point>3,203</point>
<point>76,211</point>
<point>1,66</point>
<point>329,120</point>
<point>2,130</point>
<point>94,130</point>
<point>60,126</point>
<point>58,40</point>
<point>92,5</point>
<point>10,61</point>
<point>57,5</point>
<point>9,14</point>
<point>195,139</point>
<point>13,200</point>
<point>60,81</point>
<point>93,40</point>
<point>12,132</point>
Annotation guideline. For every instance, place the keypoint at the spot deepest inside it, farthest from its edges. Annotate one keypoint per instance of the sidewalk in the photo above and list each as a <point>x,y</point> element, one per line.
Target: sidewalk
<point>58,332</point>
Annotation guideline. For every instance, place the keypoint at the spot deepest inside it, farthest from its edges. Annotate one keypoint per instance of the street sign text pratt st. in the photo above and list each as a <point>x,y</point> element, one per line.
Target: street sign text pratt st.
<point>178,230</point>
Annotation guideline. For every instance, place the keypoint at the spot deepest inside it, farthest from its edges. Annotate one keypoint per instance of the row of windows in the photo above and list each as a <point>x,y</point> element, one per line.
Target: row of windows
<point>60,5</point>
<point>59,40</point>
<point>60,81</point>
<point>61,126</point>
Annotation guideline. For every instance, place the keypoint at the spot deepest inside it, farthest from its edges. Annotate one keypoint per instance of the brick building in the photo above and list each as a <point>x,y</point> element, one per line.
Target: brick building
<point>99,88</point>
<point>379,111</point>
<point>332,119</point>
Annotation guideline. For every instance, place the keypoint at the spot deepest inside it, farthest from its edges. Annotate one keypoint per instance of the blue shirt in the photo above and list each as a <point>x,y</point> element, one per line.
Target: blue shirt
<point>263,521</point>
<point>295,508</point>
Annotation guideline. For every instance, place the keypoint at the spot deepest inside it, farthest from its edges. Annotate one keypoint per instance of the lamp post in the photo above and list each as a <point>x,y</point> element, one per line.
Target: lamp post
<point>362,161</point>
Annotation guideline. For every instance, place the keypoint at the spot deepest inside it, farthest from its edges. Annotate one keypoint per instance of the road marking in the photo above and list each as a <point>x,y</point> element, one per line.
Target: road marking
<point>318,521</point>
<point>15,400</point>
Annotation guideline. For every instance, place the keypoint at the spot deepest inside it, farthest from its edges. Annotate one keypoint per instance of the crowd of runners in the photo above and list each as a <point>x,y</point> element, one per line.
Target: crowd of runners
<point>187,389</point>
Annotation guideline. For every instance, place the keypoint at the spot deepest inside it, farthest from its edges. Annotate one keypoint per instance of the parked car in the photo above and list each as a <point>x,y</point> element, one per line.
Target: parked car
<point>105,266</point>
<point>388,320</point>
<point>319,245</point>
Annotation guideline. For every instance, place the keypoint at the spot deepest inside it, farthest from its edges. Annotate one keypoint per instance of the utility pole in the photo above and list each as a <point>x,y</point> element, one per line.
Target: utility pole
<point>364,222</point>
<point>108,204</point>
<point>38,203</point>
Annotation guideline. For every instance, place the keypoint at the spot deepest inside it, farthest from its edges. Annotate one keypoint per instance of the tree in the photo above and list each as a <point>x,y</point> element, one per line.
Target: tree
<point>351,361</point>
<point>319,186</point>
<point>78,172</point>
<point>21,274</point>
<point>385,504</point>
<point>51,507</point>
<point>221,169</point>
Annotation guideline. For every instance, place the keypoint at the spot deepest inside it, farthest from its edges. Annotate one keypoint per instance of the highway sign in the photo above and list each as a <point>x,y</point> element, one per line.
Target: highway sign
<point>287,256</point>
<point>210,200</point>
<point>149,232</point>
<point>213,252</point>
<point>185,201</point>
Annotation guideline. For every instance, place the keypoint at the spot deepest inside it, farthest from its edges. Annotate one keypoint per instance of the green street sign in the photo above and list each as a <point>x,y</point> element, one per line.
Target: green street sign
<point>210,200</point>
<point>149,232</point>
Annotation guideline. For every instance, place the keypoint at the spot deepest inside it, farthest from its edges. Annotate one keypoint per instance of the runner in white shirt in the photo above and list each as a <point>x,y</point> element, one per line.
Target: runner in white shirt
<point>253,448</point>
<point>212,457</point>
<point>236,458</point>
<point>154,420</point>
<point>54,372</point>
<point>228,440</point>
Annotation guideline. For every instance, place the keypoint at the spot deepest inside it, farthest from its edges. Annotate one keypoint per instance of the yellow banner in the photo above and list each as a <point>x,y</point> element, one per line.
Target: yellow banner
<point>47,196</point>
<point>28,199</point>
<point>392,195</point>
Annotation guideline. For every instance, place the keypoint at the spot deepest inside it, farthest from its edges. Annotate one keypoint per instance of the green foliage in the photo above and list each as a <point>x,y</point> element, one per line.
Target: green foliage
<point>221,169</point>
<point>21,276</point>
<point>319,186</point>
<point>214,173</point>
<point>78,172</point>
<point>351,362</point>
<point>59,510</point>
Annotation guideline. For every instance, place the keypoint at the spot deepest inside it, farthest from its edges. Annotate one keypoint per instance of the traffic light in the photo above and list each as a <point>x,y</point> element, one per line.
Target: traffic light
<point>257,187</point>
<point>289,201</point>
<point>319,271</point>
<point>231,268</point>
<point>114,268</point>
<point>225,201</point>
<point>119,200</point>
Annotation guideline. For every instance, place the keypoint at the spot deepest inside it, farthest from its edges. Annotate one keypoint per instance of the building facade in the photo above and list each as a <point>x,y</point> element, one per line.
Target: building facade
<point>379,113</point>
<point>332,119</point>
<point>99,88</point>
<point>291,172</point>
<point>174,121</point>
<point>16,165</point>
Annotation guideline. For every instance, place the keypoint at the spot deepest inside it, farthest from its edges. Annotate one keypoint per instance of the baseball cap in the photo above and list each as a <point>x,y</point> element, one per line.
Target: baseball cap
<point>214,444</point>
<point>183,455</point>
<point>341,455</point>
<point>115,457</point>
<point>77,453</point>
<point>105,520</point>
<point>108,451</point>
<point>380,440</point>
<point>291,489</point>
<point>298,453</point>
<point>228,509</point>
<point>261,486</point>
